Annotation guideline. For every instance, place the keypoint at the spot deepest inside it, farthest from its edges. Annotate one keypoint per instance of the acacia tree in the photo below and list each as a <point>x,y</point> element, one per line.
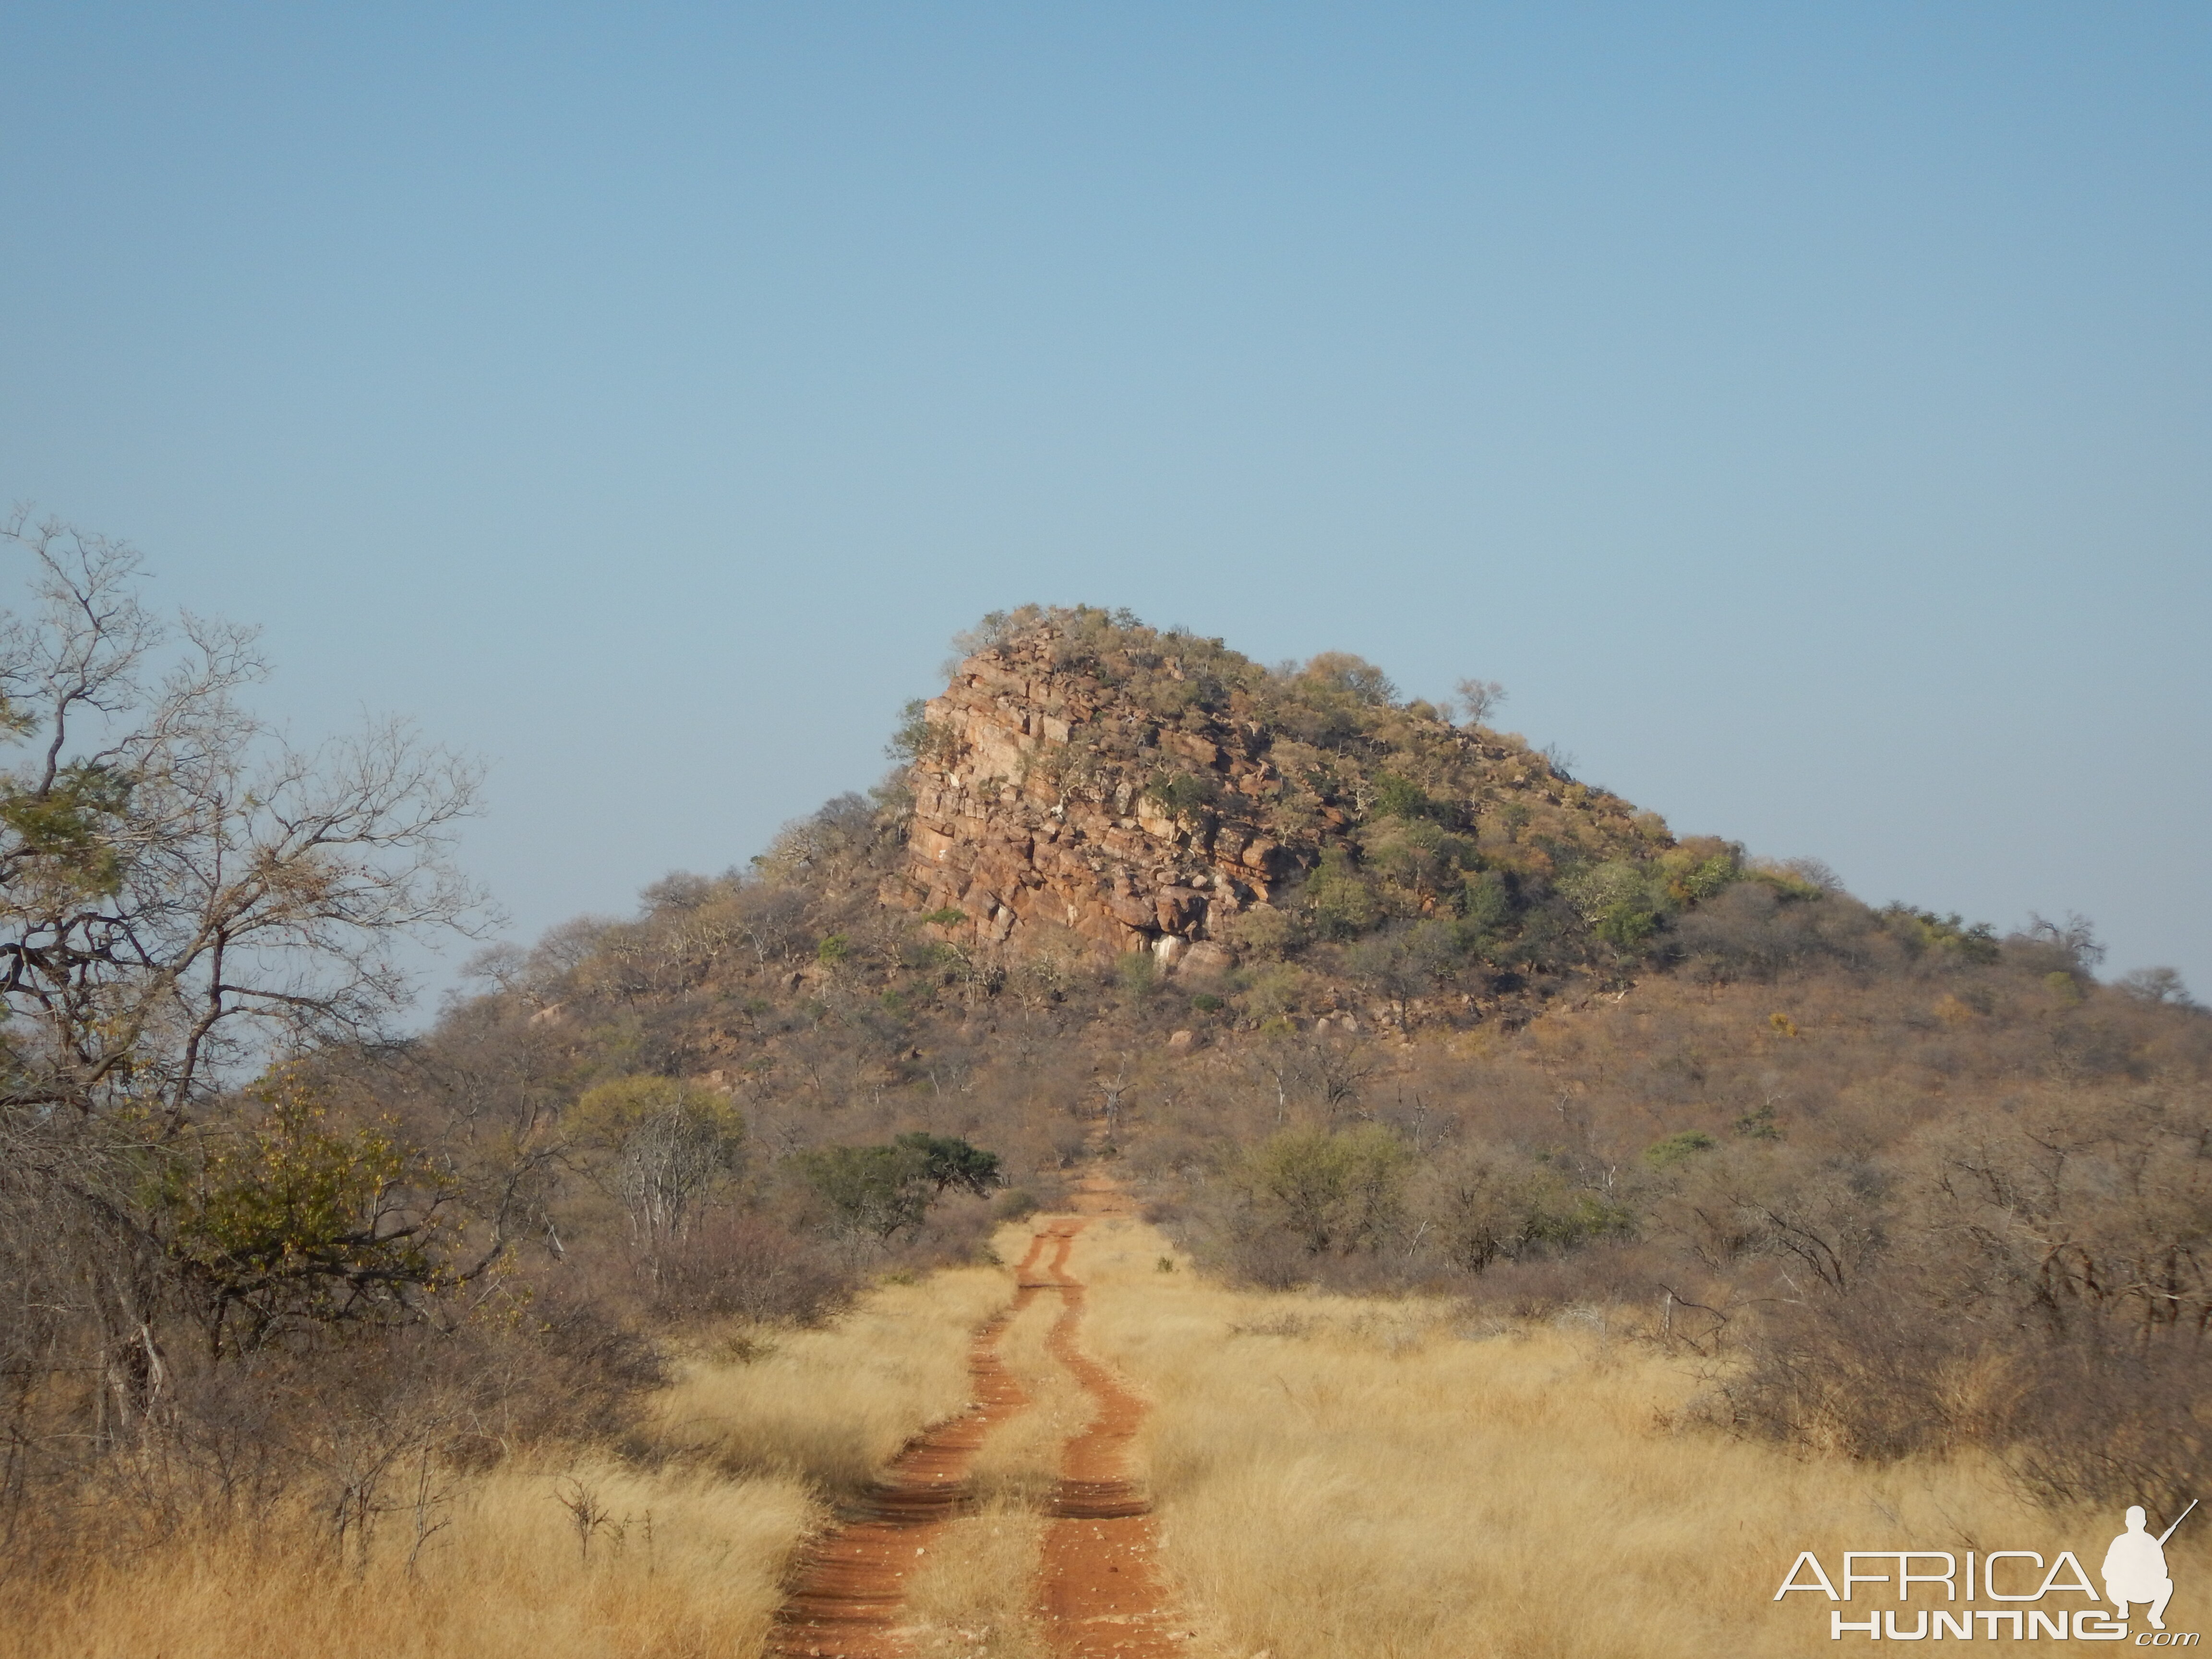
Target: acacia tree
<point>183,893</point>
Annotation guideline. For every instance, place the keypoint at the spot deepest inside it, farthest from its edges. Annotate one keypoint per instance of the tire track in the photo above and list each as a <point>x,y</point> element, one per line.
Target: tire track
<point>1099,1592</point>
<point>851,1583</point>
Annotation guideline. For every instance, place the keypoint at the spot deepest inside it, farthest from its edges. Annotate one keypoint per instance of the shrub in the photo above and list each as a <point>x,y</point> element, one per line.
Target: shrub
<point>281,1224</point>
<point>880,1192</point>
<point>948,1164</point>
<point>1336,1191</point>
<point>1400,797</point>
<point>1619,900</point>
<point>1182,794</point>
<point>1262,931</point>
<point>1138,974</point>
<point>1341,901</point>
<point>919,740</point>
<point>1485,1207</point>
<point>749,1266</point>
<point>1666,1153</point>
<point>872,1192</point>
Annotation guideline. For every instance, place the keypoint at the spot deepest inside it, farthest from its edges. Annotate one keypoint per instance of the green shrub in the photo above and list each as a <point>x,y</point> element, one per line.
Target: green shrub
<point>1675,1148</point>
<point>1334,1191</point>
<point>1138,974</point>
<point>919,740</point>
<point>1182,794</point>
<point>1400,797</point>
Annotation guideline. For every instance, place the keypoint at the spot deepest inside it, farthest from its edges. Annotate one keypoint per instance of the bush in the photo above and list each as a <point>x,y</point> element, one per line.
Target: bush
<point>1485,1206</point>
<point>1674,1149</point>
<point>1138,974</point>
<point>1263,932</point>
<point>880,1192</point>
<point>873,1192</point>
<point>1332,1191</point>
<point>749,1266</point>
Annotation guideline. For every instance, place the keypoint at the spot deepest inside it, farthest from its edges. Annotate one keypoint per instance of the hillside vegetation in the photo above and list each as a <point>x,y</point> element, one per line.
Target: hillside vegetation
<point>1354,992</point>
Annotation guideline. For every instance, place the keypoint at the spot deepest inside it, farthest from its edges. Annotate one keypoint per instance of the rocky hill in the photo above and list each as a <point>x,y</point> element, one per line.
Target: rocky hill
<point>1088,782</point>
<point>1868,1157</point>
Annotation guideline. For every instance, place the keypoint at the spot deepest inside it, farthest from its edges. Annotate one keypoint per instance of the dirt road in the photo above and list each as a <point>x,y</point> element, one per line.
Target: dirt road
<point>1098,1591</point>
<point>1098,1586</point>
<point>851,1584</point>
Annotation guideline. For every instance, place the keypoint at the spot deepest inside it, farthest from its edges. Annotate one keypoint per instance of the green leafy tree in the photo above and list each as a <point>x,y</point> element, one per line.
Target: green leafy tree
<point>281,1224</point>
<point>872,1192</point>
<point>950,1163</point>
<point>1400,797</point>
<point>1339,897</point>
<point>880,1192</point>
<point>1182,794</point>
<point>1620,901</point>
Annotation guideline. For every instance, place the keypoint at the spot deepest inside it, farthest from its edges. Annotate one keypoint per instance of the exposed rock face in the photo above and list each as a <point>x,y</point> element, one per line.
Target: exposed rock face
<point>1026,845</point>
<point>1059,794</point>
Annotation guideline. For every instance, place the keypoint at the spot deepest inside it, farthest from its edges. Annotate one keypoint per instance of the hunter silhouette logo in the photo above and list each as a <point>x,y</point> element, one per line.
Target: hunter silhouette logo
<point>2134,1572</point>
<point>2135,1567</point>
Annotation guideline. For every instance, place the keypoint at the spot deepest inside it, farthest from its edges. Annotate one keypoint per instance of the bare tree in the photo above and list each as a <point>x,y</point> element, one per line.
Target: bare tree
<point>183,893</point>
<point>1326,1073</point>
<point>181,889</point>
<point>1479,700</point>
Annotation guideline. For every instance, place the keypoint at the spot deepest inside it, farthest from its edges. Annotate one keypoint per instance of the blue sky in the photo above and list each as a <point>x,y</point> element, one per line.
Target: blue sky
<point>1803,409</point>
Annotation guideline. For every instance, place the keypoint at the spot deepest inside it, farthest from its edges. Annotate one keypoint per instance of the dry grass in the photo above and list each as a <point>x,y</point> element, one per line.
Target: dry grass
<point>1020,1462</point>
<point>1339,1478</point>
<point>686,1560</point>
<point>976,1592</point>
<point>833,1405</point>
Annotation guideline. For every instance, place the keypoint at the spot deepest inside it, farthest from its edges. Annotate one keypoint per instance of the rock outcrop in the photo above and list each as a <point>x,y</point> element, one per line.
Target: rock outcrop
<point>1009,839</point>
<point>1080,781</point>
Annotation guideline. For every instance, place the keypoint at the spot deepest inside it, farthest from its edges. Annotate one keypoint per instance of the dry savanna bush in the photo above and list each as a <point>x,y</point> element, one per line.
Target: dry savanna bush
<point>675,1541</point>
<point>1954,1200</point>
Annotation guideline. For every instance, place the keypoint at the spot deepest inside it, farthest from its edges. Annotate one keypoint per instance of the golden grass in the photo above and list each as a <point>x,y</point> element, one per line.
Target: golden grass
<point>1020,1464</point>
<point>1338,1479</point>
<point>975,1592</point>
<point>833,1405</point>
<point>686,1562</point>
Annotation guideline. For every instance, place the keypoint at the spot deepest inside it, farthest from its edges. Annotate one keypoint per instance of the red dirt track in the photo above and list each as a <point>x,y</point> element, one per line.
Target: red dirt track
<point>852,1584</point>
<point>1098,1591</point>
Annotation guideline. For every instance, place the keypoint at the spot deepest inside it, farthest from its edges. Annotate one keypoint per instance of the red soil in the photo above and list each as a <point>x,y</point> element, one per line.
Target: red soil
<point>1098,1590</point>
<point>851,1583</point>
